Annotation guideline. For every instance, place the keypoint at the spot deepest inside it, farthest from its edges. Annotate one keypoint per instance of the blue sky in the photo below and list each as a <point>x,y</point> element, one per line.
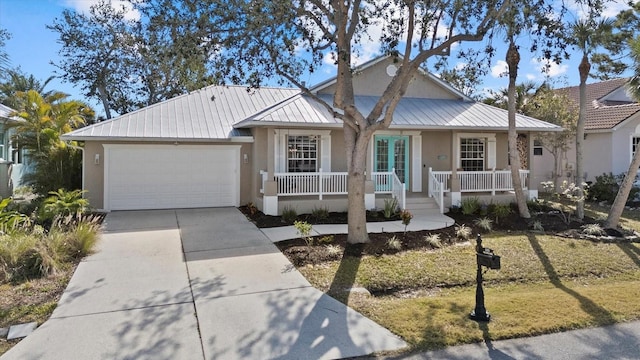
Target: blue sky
<point>33,47</point>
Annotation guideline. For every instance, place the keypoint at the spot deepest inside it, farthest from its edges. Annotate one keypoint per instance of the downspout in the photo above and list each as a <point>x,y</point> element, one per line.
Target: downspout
<point>83,162</point>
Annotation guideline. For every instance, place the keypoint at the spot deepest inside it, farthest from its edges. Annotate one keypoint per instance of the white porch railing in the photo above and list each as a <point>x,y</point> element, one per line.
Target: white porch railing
<point>479,181</point>
<point>436,190</point>
<point>319,183</point>
<point>332,183</point>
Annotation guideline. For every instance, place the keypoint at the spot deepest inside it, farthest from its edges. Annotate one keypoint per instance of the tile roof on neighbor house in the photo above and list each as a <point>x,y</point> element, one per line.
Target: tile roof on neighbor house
<point>414,113</point>
<point>202,115</point>
<point>601,115</point>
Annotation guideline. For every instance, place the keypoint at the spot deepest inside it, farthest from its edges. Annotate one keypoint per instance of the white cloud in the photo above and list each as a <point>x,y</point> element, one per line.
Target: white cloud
<point>549,68</point>
<point>83,6</point>
<point>531,77</point>
<point>500,69</point>
<point>611,8</point>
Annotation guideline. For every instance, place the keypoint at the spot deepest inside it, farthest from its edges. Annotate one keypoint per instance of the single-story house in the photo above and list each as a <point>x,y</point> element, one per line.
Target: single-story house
<point>612,133</point>
<point>12,161</point>
<point>277,148</point>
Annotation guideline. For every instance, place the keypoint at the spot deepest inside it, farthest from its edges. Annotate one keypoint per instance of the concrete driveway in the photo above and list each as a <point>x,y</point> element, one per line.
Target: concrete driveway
<point>193,284</point>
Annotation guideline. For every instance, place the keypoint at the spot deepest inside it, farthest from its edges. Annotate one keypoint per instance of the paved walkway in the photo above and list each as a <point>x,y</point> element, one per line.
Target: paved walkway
<point>422,220</point>
<point>620,342</point>
<point>194,284</point>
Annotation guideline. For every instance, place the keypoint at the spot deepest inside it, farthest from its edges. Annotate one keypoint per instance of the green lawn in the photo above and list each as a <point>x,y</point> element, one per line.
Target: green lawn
<point>546,284</point>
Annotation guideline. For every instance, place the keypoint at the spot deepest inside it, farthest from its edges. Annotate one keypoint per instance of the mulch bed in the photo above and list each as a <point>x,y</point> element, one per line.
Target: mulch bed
<point>300,254</point>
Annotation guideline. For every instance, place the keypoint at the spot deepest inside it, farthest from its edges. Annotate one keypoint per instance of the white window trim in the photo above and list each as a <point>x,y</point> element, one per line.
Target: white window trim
<point>280,148</point>
<point>490,147</point>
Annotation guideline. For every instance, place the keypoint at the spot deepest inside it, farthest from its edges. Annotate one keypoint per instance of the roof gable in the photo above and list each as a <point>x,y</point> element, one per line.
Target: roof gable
<point>372,78</point>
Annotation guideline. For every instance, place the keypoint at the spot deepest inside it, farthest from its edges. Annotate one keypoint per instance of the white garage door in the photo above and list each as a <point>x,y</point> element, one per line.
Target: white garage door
<point>171,176</point>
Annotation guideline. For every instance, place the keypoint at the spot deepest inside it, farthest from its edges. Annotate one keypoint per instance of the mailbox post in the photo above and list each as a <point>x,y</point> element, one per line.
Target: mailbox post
<point>485,257</point>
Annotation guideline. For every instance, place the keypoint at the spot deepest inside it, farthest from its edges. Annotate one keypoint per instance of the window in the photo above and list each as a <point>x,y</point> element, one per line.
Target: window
<point>635,141</point>
<point>302,153</point>
<point>2,154</point>
<point>472,154</point>
<point>537,147</point>
<point>16,153</point>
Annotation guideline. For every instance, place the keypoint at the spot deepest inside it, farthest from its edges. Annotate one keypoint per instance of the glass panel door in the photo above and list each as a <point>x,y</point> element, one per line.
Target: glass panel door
<point>392,152</point>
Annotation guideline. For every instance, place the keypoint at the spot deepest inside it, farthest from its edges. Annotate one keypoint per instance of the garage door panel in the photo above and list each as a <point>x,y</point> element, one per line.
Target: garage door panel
<point>167,176</point>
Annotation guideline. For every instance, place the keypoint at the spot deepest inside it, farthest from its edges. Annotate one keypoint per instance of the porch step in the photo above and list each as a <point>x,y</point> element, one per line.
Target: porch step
<point>420,203</point>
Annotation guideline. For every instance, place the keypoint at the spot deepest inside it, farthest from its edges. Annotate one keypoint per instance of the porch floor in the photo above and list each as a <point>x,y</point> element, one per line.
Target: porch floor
<point>422,220</point>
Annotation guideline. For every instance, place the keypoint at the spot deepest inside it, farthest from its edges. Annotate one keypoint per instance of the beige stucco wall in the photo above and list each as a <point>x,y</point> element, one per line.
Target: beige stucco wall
<point>376,79</point>
<point>94,173</point>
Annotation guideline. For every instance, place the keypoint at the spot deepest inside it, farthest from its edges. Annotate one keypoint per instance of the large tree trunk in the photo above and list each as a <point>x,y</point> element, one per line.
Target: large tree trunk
<point>513,58</point>
<point>356,147</point>
<point>584,68</point>
<point>623,193</point>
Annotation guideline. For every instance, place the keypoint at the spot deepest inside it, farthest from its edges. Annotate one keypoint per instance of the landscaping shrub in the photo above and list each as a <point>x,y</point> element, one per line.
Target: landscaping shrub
<point>63,203</point>
<point>500,211</point>
<point>606,186</point>
<point>470,205</point>
<point>484,223</point>
<point>320,214</point>
<point>390,207</point>
<point>289,214</point>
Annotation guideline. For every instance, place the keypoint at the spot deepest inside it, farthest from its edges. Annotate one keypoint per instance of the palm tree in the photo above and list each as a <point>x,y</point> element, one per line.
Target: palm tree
<point>587,35</point>
<point>19,82</point>
<point>55,165</point>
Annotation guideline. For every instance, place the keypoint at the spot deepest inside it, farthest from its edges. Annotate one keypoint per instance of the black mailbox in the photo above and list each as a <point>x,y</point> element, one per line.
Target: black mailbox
<point>489,260</point>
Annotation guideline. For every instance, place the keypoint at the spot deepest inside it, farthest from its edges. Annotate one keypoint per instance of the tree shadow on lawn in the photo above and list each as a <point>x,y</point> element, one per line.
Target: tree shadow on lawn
<point>631,251</point>
<point>601,316</point>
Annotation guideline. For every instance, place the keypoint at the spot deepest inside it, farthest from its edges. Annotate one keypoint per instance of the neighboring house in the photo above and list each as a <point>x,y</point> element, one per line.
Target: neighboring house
<point>277,147</point>
<point>612,133</point>
<point>11,159</point>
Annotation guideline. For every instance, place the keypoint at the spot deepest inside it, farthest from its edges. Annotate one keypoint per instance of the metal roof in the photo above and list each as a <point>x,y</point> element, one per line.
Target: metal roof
<point>202,115</point>
<point>5,112</point>
<point>415,113</point>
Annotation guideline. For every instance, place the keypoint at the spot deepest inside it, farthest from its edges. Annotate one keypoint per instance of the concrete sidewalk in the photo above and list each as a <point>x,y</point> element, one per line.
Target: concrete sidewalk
<point>620,342</point>
<point>422,220</point>
<point>196,284</point>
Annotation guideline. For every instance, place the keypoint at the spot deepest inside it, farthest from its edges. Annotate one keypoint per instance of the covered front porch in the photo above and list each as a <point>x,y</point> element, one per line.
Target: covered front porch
<point>326,189</point>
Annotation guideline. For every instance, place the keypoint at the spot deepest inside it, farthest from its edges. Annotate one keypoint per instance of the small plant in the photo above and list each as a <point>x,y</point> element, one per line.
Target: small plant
<point>251,208</point>
<point>463,232</point>
<point>500,211</point>
<point>592,229</point>
<point>570,193</point>
<point>304,229</point>
<point>537,226</point>
<point>390,207</point>
<point>470,205</point>
<point>327,239</point>
<point>9,219</point>
<point>63,203</point>
<point>289,214</point>
<point>333,250</point>
<point>320,214</point>
<point>433,240</point>
<point>534,205</point>
<point>394,243</point>
<point>406,217</point>
<point>484,223</point>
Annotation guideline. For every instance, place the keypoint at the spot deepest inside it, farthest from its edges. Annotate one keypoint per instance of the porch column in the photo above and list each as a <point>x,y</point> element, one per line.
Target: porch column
<point>369,186</point>
<point>532,187</point>
<point>416,163</point>
<point>454,183</point>
<point>270,196</point>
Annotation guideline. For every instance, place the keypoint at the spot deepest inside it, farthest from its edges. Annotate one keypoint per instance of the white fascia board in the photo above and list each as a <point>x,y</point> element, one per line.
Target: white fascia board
<point>241,139</point>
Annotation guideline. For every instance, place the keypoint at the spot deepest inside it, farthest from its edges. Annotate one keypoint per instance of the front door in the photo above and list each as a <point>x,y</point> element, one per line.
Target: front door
<point>392,152</point>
